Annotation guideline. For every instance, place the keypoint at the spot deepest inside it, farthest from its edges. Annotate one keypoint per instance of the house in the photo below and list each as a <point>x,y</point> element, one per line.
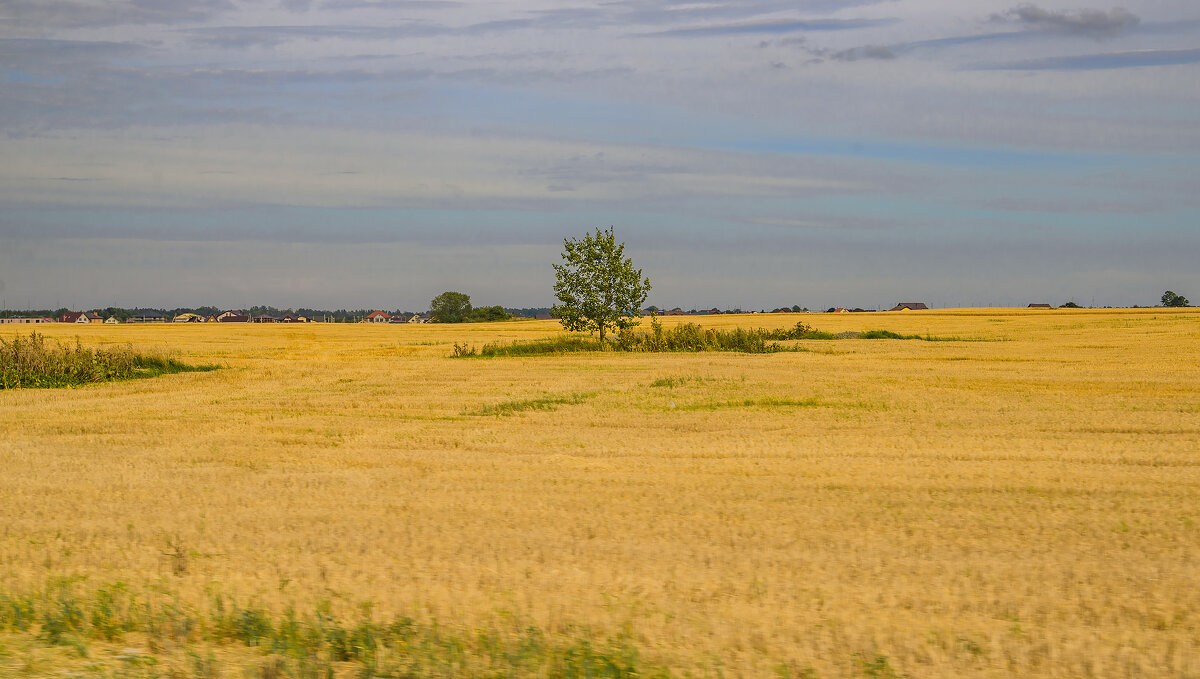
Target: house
<point>1039,306</point>
<point>111,320</point>
<point>27,320</point>
<point>419,318</point>
<point>398,318</point>
<point>378,317</point>
<point>234,316</point>
<point>265,319</point>
<point>910,306</point>
<point>188,318</point>
<point>75,317</point>
<point>212,318</point>
<point>147,316</point>
<point>291,318</point>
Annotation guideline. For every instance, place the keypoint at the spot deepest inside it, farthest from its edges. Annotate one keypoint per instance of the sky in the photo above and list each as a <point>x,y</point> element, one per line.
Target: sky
<point>751,153</point>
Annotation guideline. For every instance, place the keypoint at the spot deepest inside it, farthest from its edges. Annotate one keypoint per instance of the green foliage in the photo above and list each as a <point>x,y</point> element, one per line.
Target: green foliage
<point>684,338</point>
<point>464,350</point>
<point>1170,299</point>
<point>563,344</point>
<point>455,307</point>
<point>34,363</point>
<point>113,612</point>
<point>1069,305</point>
<point>877,667</point>
<point>597,286</point>
<point>488,314</point>
<point>519,405</point>
<point>450,307</point>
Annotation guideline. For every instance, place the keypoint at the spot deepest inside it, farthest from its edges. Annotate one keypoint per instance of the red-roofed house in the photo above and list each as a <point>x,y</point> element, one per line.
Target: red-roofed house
<point>378,317</point>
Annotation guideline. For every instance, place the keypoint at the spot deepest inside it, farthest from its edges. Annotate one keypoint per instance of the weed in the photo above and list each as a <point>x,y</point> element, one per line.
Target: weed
<point>512,407</point>
<point>463,350</point>
<point>672,382</point>
<point>685,338</point>
<point>877,667</point>
<point>33,363</point>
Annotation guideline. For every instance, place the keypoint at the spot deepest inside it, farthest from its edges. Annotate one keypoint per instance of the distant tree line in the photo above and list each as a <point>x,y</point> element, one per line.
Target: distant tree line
<point>455,309</point>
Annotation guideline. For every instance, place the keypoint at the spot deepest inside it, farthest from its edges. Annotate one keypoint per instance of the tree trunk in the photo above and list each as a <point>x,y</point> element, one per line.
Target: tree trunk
<point>601,332</point>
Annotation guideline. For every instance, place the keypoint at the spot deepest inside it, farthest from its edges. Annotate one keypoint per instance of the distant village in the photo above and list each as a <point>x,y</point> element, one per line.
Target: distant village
<point>230,316</point>
<point>380,316</point>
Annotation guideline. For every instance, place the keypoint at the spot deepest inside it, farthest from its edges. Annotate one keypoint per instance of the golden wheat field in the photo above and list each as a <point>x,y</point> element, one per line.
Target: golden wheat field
<point>1024,504</point>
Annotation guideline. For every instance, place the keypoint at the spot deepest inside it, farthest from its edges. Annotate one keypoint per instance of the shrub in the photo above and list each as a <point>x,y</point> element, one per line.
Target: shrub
<point>32,362</point>
<point>685,338</point>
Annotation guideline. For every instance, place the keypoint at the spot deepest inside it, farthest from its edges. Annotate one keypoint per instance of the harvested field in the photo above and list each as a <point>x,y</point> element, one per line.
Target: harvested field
<point>1024,504</point>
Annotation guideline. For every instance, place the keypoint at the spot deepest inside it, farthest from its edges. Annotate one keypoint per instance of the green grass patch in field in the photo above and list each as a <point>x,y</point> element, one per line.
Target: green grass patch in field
<point>685,338</point>
<point>294,645</point>
<point>672,382</point>
<point>32,362</point>
<point>761,402</point>
<point>520,405</point>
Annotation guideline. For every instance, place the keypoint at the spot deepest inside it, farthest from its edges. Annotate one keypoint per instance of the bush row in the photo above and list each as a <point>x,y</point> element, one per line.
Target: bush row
<point>688,337</point>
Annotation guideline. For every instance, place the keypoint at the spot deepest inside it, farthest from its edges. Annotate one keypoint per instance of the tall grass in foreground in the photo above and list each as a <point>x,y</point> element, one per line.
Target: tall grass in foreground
<point>685,338</point>
<point>32,362</point>
<point>313,645</point>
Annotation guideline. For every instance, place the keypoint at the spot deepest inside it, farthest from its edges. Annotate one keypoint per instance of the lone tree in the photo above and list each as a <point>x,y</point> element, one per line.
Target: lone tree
<point>450,307</point>
<point>597,285</point>
<point>1171,299</point>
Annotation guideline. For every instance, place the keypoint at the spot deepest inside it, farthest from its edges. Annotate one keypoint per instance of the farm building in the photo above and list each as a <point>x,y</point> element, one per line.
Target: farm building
<point>378,317</point>
<point>188,318</point>
<point>147,316</point>
<point>42,319</point>
<point>910,306</point>
<point>1040,306</point>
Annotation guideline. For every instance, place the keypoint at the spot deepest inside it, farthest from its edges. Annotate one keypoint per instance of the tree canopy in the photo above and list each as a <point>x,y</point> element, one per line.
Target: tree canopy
<point>597,286</point>
<point>449,307</point>
<point>455,307</point>
<point>1171,299</point>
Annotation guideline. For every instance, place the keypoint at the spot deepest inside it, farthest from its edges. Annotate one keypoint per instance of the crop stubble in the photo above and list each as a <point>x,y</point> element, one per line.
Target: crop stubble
<point>1023,505</point>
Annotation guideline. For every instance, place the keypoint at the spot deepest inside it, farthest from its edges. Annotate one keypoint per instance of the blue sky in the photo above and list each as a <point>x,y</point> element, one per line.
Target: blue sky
<point>373,153</point>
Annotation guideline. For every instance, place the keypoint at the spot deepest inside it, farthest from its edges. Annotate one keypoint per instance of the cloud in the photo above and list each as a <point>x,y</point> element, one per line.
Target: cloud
<point>1088,22</point>
<point>771,27</point>
<point>296,6</point>
<point>25,50</point>
<point>659,12</point>
<point>345,5</point>
<point>238,37</point>
<point>43,14</point>
<point>1102,62</point>
<point>867,52</point>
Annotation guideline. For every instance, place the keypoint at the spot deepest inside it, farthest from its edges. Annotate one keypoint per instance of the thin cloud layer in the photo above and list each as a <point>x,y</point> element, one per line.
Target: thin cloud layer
<point>1105,61</point>
<point>1090,23</point>
<point>50,14</point>
<point>768,27</point>
<point>787,132</point>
